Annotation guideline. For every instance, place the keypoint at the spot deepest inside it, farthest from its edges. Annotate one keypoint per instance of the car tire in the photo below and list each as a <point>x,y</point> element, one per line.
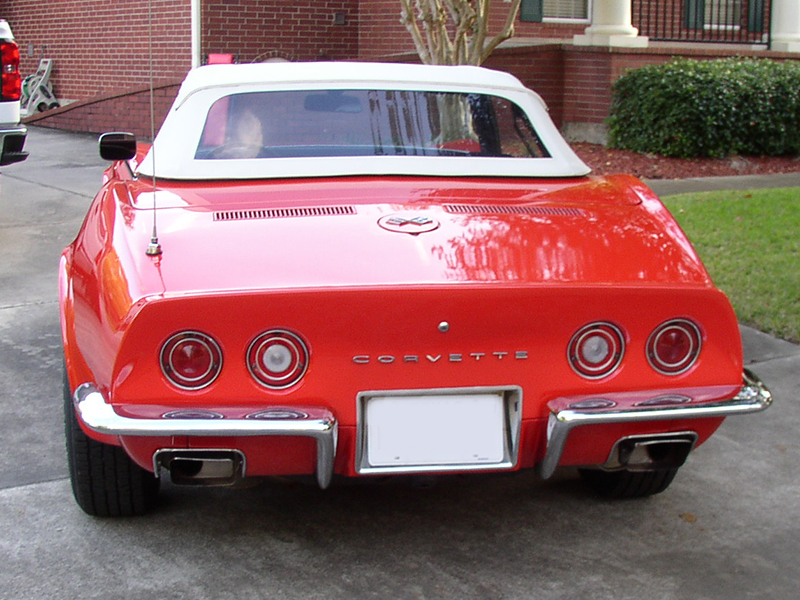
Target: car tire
<point>105,481</point>
<point>628,484</point>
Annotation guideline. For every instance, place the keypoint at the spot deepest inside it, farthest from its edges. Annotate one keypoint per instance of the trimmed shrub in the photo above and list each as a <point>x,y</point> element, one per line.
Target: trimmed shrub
<point>715,108</point>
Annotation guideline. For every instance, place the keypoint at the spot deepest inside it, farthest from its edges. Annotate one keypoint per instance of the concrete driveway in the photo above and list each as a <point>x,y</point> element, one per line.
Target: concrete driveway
<point>728,528</point>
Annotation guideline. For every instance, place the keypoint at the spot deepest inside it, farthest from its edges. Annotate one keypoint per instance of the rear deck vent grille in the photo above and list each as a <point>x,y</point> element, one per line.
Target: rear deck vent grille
<point>283,213</point>
<point>495,209</point>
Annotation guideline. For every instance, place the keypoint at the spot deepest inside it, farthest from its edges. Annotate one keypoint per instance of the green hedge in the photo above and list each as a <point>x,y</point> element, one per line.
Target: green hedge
<point>688,108</point>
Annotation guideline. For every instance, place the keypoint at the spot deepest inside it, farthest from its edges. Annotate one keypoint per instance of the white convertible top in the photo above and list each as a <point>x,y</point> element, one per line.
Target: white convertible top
<point>176,142</point>
<point>348,75</point>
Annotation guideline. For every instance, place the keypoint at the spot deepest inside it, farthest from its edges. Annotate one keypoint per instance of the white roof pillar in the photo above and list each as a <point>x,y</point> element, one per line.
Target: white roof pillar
<point>611,26</point>
<point>786,25</point>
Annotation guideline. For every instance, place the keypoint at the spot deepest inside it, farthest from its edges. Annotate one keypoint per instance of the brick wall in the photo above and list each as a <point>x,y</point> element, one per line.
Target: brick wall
<point>382,34</point>
<point>540,67</point>
<point>128,110</point>
<point>254,30</point>
<point>100,46</point>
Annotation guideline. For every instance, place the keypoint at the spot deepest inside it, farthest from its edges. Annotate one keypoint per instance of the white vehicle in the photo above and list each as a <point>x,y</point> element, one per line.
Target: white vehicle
<point>12,133</point>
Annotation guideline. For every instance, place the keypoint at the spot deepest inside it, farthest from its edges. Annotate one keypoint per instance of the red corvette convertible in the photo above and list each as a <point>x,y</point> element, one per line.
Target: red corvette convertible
<point>361,270</point>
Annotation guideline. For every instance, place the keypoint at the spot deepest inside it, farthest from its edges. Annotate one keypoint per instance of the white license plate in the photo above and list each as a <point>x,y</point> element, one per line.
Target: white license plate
<point>432,430</point>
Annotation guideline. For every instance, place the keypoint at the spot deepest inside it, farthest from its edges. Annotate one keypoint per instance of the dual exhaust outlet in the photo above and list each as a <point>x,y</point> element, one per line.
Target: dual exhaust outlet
<point>227,467</point>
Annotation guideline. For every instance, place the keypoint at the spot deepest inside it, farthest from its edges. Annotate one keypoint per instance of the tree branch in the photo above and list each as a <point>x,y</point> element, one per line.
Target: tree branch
<point>506,33</point>
<point>408,19</point>
<point>430,23</point>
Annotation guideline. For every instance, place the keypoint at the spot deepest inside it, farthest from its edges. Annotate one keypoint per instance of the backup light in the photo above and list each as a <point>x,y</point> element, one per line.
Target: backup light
<point>596,350</point>
<point>277,359</point>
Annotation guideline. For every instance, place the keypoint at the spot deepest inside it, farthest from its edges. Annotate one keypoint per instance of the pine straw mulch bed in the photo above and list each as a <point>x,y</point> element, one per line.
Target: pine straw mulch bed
<point>605,161</point>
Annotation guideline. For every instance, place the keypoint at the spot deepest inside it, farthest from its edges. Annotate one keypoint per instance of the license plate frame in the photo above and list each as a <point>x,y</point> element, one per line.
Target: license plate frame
<point>438,430</point>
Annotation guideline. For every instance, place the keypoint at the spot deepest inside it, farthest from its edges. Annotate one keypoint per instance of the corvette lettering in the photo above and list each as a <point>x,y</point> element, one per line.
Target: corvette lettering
<point>387,359</point>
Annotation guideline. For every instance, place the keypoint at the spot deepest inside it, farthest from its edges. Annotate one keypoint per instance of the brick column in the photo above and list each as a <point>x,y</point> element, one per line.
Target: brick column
<point>786,25</point>
<point>611,26</point>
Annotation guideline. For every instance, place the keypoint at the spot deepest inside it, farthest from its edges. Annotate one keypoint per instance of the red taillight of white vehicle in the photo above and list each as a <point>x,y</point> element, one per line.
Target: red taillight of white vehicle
<point>191,360</point>
<point>11,78</point>
<point>596,350</point>
<point>277,359</point>
<point>674,346</point>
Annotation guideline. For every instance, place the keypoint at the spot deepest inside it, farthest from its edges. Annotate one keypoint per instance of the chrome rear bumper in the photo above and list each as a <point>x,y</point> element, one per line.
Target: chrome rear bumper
<point>319,422</point>
<point>753,397</point>
<point>315,422</point>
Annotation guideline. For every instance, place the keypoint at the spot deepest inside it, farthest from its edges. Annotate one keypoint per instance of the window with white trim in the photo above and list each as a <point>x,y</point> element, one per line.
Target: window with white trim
<point>723,14</point>
<point>726,14</point>
<point>566,9</point>
<point>555,10</point>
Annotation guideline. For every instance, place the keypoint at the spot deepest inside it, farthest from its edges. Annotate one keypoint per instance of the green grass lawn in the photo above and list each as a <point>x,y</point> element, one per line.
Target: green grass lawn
<point>750,244</point>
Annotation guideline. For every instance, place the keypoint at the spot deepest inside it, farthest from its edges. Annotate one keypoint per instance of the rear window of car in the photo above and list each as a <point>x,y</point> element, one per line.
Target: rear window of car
<point>366,123</point>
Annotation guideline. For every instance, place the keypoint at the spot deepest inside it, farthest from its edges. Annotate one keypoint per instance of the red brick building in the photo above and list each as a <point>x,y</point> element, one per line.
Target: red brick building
<point>570,51</point>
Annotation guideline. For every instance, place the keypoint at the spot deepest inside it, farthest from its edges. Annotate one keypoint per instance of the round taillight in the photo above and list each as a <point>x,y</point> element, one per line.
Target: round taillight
<point>674,346</point>
<point>596,350</point>
<point>277,359</point>
<point>191,360</point>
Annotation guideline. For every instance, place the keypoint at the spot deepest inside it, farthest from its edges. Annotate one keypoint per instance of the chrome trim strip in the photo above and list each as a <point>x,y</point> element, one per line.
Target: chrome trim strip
<point>320,424</point>
<point>753,397</point>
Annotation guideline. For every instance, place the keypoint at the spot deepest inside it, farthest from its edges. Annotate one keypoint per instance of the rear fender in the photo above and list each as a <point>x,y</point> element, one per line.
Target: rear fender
<point>76,369</point>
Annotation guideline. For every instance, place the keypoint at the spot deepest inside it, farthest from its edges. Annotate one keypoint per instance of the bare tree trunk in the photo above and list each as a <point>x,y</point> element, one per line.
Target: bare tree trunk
<point>454,32</point>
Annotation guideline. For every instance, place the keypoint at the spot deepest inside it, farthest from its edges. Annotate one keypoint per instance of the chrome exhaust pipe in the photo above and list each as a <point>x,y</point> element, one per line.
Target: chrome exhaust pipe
<point>201,467</point>
<point>651,452</point>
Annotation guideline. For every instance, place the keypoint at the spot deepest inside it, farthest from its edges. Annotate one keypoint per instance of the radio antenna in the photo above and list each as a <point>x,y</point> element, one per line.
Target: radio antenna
<point>154,247</point>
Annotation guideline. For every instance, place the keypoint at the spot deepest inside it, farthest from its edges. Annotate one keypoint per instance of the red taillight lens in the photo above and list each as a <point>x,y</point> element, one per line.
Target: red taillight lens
<point>11,78</point>
<point>277,359</point>
<point>674,346</point>
<point>191,360</point>
<point>596,350</point>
